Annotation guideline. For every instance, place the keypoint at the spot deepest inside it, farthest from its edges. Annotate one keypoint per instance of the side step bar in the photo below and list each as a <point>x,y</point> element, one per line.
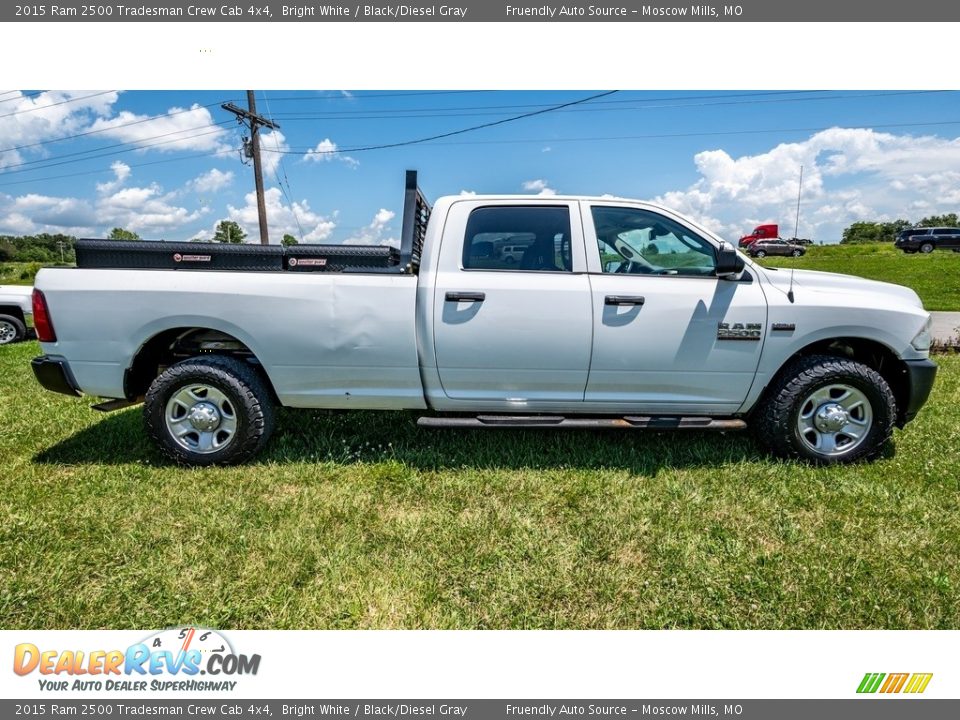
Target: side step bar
<point>628,422</point>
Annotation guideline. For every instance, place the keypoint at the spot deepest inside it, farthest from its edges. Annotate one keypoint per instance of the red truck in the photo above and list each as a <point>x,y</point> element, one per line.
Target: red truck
<point>760,232</point>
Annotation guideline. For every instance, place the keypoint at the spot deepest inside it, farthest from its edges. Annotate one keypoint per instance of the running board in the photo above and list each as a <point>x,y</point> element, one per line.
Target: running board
<point>628,422</point>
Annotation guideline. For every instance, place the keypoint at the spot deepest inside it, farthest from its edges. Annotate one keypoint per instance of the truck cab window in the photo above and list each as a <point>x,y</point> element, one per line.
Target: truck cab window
<point>527,239</point>
<point>640,242</point>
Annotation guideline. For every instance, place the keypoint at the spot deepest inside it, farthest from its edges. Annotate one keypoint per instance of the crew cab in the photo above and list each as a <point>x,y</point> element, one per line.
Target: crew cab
<point>619,314</point>
<point>16,313</point>
<point>927,239</point>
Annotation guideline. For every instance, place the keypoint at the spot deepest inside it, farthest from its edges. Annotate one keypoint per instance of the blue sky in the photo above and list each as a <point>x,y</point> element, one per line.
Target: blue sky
<point>167,164</point>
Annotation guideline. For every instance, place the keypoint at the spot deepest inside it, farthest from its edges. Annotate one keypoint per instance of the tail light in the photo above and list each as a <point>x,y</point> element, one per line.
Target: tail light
<point>42,323</point>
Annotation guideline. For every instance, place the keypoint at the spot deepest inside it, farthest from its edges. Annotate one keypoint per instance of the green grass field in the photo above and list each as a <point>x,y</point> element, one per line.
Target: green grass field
<point>935,277</point>
<point>365,521</point>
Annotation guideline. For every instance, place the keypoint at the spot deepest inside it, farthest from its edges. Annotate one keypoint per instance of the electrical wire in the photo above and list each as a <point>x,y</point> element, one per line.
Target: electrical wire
<point>287,192</point>
<point>115,152</point>
<point>62,102</point>
<point>455,132</point>
<point>108,129</point>
<point>137,143</point>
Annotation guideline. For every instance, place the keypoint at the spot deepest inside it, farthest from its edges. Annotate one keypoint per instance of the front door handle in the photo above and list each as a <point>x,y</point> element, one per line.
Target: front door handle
<point>624,300</point>
<point>465,296</point>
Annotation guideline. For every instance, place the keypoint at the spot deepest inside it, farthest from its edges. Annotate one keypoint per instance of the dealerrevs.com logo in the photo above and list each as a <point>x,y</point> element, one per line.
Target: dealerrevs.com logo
<point>178,659</point>
<point>910,683</point>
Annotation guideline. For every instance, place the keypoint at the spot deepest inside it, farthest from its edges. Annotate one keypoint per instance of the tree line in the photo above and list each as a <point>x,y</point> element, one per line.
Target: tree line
<point>52,249</point>
<point>868,232</point>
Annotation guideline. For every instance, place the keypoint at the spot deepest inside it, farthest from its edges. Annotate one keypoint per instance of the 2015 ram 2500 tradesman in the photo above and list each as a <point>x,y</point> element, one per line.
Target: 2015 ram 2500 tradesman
<point>498,311</point>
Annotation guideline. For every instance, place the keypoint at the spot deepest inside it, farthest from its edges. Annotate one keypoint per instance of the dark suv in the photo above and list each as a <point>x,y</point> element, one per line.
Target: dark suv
<point>926,240</point>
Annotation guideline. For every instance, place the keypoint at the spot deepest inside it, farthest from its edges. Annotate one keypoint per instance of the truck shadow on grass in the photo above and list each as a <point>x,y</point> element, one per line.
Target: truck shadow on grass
<point>315,436</point>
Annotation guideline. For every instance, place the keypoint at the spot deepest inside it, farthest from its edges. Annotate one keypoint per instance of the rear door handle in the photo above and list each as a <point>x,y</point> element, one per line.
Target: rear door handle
<point>624,300</point>
<point>465,296</point>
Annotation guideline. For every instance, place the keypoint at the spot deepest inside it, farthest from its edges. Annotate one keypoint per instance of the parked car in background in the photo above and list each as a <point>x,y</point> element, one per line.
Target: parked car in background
<point>16,312</point>
<point>760,232</point>
<point>762,248</point>
<point>926,240</point>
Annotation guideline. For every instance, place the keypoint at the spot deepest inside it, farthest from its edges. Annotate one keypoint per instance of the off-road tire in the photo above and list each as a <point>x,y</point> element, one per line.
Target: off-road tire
<point>775,422</point>
<point>239,382</point>
<point>19,331</point>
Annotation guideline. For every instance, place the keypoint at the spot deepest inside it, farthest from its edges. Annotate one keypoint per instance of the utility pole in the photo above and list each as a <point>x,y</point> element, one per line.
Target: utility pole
<point>252,120</point>
<point>796,228</point>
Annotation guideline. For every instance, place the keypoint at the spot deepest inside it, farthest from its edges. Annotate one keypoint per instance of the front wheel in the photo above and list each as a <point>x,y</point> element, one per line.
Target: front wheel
<point>797,253</point>
<point>11,330</point>
<point>760,254</point>
<point>212,410</point>
<point>926,248</point>
<point>827,410</point>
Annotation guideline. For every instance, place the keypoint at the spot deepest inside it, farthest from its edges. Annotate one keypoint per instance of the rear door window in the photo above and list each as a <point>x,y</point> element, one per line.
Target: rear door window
<point>519,238</point>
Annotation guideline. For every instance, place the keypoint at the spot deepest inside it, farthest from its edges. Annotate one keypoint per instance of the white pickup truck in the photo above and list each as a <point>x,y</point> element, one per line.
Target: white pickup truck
<point>16,313</point>
<point>617,314</point>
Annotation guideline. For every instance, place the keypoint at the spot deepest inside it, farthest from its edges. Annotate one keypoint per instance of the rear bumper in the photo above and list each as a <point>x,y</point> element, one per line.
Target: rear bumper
<point>54,374</point>
<point>920,377</point>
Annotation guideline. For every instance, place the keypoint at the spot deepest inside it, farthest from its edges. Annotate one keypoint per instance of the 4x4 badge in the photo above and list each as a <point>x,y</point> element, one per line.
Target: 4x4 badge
<point>739,331</point>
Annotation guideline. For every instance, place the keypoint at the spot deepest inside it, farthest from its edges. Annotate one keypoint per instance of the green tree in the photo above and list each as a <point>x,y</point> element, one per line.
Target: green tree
<point>866,232</point>
<point>229,232</point>
<point>123,234</point>
<point>948,220</point>
<point>289,240</point>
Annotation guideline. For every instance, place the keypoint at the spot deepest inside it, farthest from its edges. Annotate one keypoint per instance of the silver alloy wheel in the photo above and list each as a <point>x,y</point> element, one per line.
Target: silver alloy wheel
<point>8,333</point>
<point>926,248</point>
<point>835,419</point>
<point>761,253</point>
<point>201,418</point>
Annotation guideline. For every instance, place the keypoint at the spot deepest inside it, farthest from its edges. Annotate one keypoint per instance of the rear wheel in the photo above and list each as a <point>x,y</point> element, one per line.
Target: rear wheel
<point>209,411</point>
<point>827,410</point>
<point>11,330</point>
<point>926,248</point>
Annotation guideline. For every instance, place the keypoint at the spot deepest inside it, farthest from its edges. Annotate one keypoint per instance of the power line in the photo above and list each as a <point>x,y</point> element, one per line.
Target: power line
<point>21,96</point>
<point>291,98</point>
<point>104,171</point>
<point>115,152</point>
<point>137,143</point>
<point>62,102</point>
<point>455,132</point>
<point>287,192</point>
<point>108,129</point>
<point>455,111</point>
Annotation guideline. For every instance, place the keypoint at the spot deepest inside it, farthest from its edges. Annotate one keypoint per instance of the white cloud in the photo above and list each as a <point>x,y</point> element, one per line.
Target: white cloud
<point>273,146</point>
<point>211,181</point>
<point>375,232</point>
<point>467,193</point>
<point>539,186</point>
<point>327,151</point>
<point>45,117</point>
<point>149,211</point>
<point>848,175</point>
<point>121,171</point>
<point>179,129</point>
<point>281,218</point>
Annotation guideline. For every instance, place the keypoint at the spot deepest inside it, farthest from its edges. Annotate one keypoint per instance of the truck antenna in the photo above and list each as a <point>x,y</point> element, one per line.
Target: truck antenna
<point>796,229</point>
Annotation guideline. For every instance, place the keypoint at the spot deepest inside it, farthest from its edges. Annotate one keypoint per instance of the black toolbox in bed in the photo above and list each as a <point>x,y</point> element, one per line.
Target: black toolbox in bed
<point>149,255</point>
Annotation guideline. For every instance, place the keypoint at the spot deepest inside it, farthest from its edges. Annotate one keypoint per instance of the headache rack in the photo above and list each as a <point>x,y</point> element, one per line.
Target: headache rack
<point>140,255</point>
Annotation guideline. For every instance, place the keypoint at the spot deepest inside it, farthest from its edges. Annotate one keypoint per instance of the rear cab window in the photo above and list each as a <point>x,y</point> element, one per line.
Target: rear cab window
<point>518,238</point>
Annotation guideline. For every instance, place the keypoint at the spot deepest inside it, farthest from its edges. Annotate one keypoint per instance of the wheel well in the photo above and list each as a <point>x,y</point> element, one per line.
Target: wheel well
<point>872,354</point>
<point>171,346</point>
<point>14,311</point>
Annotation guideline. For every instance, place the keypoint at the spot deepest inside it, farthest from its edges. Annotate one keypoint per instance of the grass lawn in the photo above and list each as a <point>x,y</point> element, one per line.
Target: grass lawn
<point>365,521</point>
<point>935,277</point>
